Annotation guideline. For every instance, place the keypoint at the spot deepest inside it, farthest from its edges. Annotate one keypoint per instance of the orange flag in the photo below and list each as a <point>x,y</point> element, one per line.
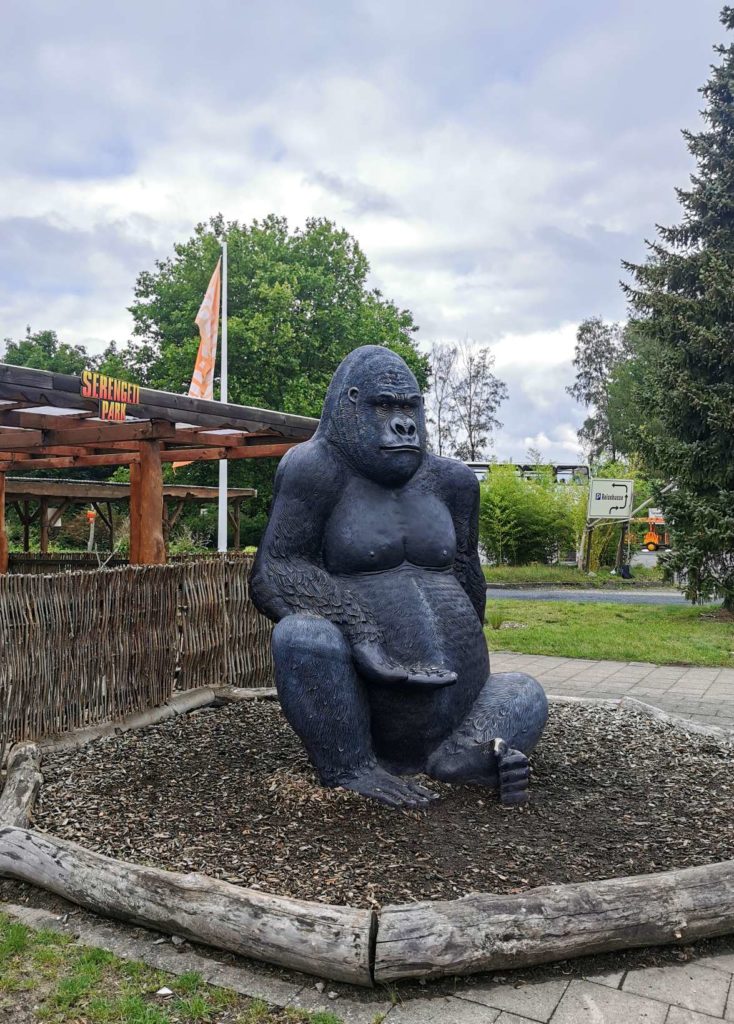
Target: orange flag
<point>207,320</point>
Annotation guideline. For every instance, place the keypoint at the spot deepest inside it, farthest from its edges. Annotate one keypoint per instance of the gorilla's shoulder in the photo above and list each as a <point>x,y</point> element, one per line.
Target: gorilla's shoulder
<point>308,465</point>
<point>453,475</point>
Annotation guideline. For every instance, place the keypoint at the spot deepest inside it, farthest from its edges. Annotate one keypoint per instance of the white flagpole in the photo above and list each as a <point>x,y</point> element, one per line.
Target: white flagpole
<point>222,531</point>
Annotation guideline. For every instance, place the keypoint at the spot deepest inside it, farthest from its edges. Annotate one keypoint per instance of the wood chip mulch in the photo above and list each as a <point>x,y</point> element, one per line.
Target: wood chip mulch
<point>229,792</point>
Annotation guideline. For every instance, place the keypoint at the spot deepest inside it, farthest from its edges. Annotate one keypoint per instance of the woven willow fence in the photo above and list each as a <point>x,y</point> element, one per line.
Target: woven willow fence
<point>82,648</point>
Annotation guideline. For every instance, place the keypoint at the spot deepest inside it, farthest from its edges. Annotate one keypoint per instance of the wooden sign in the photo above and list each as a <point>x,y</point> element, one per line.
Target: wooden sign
<point>114,395</point>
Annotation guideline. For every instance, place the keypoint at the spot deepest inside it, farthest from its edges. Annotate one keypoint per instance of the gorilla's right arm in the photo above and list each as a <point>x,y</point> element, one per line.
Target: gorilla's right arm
<point>289,574</point>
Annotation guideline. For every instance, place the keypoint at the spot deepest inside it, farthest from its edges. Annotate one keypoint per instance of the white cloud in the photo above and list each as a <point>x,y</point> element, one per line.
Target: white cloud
<point>494,167</point>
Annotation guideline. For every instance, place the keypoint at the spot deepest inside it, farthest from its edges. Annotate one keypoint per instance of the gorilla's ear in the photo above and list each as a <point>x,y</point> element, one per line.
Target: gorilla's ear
<point>352,395</point>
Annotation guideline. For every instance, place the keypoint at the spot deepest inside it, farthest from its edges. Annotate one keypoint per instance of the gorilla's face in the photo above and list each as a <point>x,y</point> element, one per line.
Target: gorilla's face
<point>389,437</point>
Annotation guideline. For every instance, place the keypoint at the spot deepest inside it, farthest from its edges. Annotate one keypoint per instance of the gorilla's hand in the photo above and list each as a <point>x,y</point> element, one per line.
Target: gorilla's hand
<point>432,678</point>
<point>374,664</point>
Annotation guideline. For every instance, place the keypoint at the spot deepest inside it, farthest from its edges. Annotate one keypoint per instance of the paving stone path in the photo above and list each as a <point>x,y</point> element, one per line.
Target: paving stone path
<point>703,694</point>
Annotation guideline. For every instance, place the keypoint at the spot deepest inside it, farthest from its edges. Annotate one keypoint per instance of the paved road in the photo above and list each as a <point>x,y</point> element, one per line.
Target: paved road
<point>587,596</point>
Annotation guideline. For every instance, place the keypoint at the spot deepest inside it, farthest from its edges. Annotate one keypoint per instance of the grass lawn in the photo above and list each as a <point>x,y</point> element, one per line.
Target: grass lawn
<point>658,633</point>
<point>44,976</point>
<point>570,576</point>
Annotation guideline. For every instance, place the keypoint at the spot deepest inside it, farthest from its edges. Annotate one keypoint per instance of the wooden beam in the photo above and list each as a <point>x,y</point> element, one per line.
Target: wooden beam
<point>42,421</point>
<point>10,440</point>
<point>245,452</point>
<point>124,458</point>
<point>3,532</point>
<point>70,461</point>
<point>208,438</point>
<point>92,490</point>
<point>33,396</point>
<point>104,433</point>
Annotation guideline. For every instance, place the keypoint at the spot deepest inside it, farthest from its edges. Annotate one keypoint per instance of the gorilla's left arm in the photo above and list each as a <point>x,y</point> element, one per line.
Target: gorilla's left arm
<point>460,490</point>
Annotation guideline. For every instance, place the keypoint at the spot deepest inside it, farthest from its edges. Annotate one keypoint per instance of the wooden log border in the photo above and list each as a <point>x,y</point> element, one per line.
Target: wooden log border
<point>479,932</point>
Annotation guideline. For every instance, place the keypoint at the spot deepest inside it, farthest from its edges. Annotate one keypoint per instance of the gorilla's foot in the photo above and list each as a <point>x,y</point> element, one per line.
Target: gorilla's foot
<point>389,789</point>
<point>514,774</point>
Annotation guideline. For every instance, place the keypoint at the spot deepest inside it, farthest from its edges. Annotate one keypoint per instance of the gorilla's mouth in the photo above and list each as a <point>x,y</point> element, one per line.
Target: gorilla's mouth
<point>400,447</point>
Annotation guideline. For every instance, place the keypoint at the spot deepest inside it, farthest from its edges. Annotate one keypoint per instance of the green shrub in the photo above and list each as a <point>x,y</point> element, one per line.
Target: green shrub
<point>526,520</point>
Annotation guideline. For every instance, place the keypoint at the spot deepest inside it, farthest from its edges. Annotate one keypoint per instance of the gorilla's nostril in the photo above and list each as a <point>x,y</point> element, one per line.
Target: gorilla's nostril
<point>403,427</point>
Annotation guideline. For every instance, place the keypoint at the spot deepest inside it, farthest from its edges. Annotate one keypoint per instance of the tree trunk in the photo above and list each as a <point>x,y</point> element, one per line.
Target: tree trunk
<point>23,781</point>
<point>329,941</point>
<point>483,932</point>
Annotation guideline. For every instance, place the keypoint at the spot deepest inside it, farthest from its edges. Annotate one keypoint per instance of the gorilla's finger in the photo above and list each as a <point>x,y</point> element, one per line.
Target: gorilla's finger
<point>432,681</point>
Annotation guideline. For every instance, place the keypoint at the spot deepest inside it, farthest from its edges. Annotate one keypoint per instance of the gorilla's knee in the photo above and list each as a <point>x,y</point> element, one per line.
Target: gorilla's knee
<point>526,703</point>
<point>308,634</point>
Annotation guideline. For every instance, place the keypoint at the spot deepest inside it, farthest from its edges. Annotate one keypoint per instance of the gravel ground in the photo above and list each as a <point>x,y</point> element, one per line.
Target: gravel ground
<point>229,792</point>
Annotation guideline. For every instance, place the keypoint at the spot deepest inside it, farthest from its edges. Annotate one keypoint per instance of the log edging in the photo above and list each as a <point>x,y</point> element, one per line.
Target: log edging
<point>322,939</point>
<point>479,932</point>
<point>22,783</point>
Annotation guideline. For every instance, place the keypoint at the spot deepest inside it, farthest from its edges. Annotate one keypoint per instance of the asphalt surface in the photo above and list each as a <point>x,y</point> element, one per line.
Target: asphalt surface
<point>586,596</point>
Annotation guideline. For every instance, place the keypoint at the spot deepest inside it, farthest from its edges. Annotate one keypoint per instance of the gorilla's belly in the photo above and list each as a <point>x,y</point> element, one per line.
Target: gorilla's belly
<point>427,620</point>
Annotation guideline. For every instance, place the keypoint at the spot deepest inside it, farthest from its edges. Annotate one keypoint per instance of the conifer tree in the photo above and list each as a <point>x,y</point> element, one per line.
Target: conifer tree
<point>682,302</point>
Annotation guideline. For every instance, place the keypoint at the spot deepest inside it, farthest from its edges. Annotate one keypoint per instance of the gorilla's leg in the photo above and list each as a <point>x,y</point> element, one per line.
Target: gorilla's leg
<point>324,700</point>
<point>491,745</point>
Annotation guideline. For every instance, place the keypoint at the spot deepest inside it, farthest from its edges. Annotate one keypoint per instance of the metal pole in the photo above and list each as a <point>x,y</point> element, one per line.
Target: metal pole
<point>222,531</point>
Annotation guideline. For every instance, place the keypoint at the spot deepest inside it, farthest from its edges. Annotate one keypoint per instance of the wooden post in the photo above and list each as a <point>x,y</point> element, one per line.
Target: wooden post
<point>26,527</point>
<point>3,532</point>
<point>152,548</point>
<point>44,526</point>
<point>110,516</point>
<point>134,556</point>
<point>233,512</point>
<point>618,561</point>
<point>587,549</point>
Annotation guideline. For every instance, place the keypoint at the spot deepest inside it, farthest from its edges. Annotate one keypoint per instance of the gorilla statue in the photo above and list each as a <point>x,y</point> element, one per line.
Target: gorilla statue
<point>369,567</point>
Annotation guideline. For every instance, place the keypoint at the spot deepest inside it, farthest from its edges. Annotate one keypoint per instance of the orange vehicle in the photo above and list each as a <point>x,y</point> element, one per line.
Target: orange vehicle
<point>655,538</point>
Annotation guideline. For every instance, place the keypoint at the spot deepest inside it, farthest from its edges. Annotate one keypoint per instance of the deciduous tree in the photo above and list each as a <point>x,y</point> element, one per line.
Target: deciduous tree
<point>42,350</point>
<point>476,395</point>
<point>600,349</point>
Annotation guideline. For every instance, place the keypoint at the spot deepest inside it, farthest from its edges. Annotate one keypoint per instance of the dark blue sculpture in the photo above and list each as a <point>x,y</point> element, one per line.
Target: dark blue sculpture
<point>369,566</point>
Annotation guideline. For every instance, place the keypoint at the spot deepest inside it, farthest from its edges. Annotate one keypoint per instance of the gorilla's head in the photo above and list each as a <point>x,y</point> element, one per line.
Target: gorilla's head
<point>373,413</point>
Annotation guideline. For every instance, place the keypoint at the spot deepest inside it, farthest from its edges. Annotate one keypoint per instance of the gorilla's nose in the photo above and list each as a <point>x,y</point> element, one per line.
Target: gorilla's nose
<point>403,427</point>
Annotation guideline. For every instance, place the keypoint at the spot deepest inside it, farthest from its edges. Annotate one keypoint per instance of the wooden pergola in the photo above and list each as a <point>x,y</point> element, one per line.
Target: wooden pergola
<point>44,502</point>
<point>47,422</point>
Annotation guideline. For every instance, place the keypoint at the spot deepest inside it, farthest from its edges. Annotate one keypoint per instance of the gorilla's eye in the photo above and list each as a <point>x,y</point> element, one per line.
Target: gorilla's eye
<point>384,404</point>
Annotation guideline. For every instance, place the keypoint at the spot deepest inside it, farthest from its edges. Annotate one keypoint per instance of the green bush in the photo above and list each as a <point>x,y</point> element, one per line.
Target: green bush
<point>527,520</point>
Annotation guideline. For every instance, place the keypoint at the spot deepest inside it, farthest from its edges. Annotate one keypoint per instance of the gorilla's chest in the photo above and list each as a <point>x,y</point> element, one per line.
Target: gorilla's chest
<point>374,528</point>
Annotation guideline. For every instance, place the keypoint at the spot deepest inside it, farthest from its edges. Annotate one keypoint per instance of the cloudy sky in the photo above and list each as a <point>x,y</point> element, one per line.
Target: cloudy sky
<point>495,159</point>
